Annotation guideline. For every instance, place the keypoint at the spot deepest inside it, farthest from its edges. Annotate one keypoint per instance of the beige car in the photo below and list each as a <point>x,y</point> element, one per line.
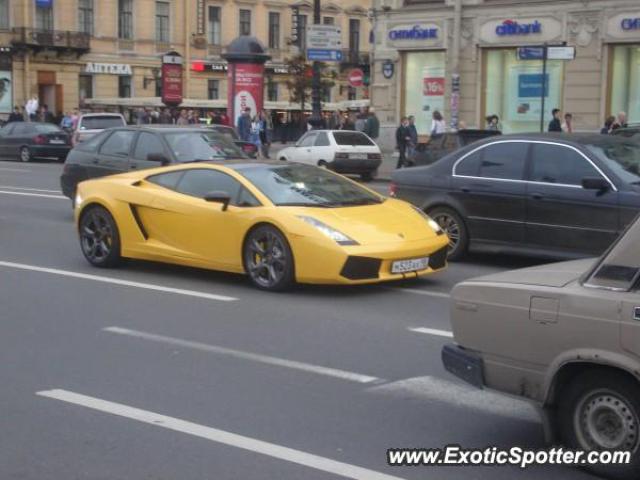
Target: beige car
<point>567,337</point>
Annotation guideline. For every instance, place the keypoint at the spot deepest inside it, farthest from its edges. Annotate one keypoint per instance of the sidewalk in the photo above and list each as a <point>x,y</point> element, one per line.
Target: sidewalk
<point>389,160</point>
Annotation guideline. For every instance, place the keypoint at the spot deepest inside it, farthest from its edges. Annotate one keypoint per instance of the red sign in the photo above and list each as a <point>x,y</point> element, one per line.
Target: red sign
<point>246,89</point>
<point>172,79</point>
<point>433,87</point>
<point>356,77</point>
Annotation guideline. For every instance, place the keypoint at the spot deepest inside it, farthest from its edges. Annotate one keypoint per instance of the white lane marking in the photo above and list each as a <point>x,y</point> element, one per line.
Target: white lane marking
<point>219,436</point>
<point>34,194</point>
<point>430,388</point>
<point>420,292</point>
<point>29,189</point>
<point>433,331</point>
<point>117,281</point>
<point>279,362</point>
<point>15,169</point>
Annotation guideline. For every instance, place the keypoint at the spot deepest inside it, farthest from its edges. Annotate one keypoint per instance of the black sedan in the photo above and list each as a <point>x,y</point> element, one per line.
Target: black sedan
<point>565,195</point>
<point>442,144</point>
<point>249,149</point>
<point>119,150</point>
<point>25,141</point>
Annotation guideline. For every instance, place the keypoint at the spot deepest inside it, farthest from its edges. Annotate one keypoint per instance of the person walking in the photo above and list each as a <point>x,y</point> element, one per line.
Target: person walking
<point>244,125</point>
<point>265,133</point>
<point>182,119</point>
<point>413,138</point>
<point>567,126</point>
<point>438,124</point>
<point>493,123</point>
<point>254,134</point>
<point>402,139</point>
<point>608,125</point>
<point>372,127</point>
<point>554,124</point>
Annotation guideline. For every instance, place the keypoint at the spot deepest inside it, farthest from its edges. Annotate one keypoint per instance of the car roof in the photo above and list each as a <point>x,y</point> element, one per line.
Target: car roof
<point>102,114</point>
<point>162,128</point>
<point>575,139</point>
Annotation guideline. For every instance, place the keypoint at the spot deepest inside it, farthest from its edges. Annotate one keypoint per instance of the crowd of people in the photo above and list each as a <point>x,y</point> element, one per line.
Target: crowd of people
<point>613,123</point>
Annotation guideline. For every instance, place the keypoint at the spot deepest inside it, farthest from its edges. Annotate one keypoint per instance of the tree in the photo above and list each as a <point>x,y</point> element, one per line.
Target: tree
<point>300,77</point>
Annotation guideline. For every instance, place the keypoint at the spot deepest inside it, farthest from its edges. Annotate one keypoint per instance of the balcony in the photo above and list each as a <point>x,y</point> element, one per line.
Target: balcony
<point>355,58</point>
<point>61,41</point>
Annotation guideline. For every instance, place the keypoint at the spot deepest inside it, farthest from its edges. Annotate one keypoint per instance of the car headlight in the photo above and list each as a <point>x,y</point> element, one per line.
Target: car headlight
<point>78,200</point>
<point>432,223</point>
<point>335,235</point>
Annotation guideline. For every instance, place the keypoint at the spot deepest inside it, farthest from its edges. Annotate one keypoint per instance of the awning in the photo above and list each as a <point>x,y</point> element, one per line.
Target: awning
<point>153,102</point>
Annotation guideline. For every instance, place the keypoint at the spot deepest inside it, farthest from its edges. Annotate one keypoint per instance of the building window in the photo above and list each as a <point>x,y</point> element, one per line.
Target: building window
<point>423,87</point>
<point>351,93</point>
<point>354,35</point>
<point>163,32</point>
<point>124,86</point>
<point>214,25</point>
<point>623,80</point>
<point>158,86</point>
<point>272,90</point>
<point>245,22</point>
<point>85,87</point>
<point>302,31</point>
<point>213,89</point>
<point>329,21</point>
<point>274,30</point>
<point>125,19</point>
<point>44,16</point>
<point>85,16</point>
<point>513,90</point>
<point>4,14</point>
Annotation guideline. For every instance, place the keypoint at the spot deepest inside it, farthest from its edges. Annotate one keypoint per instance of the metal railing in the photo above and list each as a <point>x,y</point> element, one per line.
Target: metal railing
<point>62,39</point>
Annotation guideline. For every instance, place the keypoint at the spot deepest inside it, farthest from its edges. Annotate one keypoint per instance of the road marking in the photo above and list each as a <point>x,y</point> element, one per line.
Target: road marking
<point>15,169</point>
<point>33,194</point>
<point>29,189</point>
<point>279,362</point>
<point>420,292</point>
<point>433,331</point>
<point>460,395</point>
<point>219,436</point>
<point>117,281</point>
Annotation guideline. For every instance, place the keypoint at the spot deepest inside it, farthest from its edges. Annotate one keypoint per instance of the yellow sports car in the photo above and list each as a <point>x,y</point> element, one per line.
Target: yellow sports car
<point>278,223</point>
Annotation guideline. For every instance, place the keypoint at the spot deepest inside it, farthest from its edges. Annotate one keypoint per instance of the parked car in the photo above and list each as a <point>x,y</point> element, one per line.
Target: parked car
<point>90,124</point>
<point>343,151</point>
<point>442,144</point>
<point>25,141</point>
<point>119,150</point>
<point>248,148</point>
<point>628,132</point>
<point>556,195</point>
<point>565,336</point>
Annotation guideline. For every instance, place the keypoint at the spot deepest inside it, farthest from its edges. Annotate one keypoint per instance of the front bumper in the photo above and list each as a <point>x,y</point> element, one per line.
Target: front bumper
<point>464,364</point>
<point>355,166</point>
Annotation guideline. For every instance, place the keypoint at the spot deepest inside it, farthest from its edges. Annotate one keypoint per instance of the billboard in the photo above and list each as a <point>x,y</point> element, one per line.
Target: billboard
<point>6,92</point>
<point>246,89</point>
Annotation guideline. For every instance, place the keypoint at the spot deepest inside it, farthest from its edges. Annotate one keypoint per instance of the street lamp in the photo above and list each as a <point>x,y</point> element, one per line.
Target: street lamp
<point>316,108</point>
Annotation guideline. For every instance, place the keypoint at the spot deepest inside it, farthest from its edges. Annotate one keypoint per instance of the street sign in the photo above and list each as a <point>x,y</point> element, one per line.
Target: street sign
<point>356,77</point>
<point>319,55</point>
<point>324,43</point>
<point>530,53</point>
<point>553,53</point>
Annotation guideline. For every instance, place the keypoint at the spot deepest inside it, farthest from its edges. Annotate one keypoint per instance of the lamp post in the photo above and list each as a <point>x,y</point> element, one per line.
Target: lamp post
<point>316,108</point>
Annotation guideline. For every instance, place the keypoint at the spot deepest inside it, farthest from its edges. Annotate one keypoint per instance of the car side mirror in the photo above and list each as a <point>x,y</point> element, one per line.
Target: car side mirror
<point>595,183</point>
<point>219,197</point>
<point>161,158</point>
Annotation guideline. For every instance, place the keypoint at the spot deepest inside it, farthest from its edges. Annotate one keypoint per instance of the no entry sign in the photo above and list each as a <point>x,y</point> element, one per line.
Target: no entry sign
<point>356,77</point>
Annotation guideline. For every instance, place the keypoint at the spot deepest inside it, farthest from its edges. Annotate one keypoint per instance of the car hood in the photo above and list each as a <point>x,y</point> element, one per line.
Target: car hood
<point>551,275</point>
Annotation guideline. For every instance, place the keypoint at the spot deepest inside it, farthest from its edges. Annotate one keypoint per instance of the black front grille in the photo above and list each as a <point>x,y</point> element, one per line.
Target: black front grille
<point>438,259</point>
<point>361,268</point>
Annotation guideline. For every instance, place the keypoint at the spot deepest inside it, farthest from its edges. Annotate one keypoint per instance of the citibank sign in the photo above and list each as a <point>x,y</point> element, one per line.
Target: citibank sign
<point>414,33</point>
<point>511,27</point>
<point>628,24</point>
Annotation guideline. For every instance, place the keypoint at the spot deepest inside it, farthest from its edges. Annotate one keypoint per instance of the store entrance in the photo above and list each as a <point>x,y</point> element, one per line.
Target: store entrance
<point>49,92</point>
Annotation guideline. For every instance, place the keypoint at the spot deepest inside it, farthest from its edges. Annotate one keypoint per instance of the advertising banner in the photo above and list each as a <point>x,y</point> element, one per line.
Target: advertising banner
<point>432,89</point>
<point>523,100</point>
<point>172,79</point>
<point>6,92</point>
<point>246,89</point>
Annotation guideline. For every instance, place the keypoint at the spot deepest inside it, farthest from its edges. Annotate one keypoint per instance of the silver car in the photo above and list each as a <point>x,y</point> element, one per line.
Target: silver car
<point>565,336</point>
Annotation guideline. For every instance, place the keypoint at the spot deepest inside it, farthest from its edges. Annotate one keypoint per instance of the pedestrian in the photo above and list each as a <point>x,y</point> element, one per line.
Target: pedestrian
<point>567,126</point>
<point>74,119</point>
<point>438,124</point>
<point>264,132</point>
<point>335,120</point>
<point>31,109</point>
<point>182,119</point>
<point>67,122</point>
<point>244,125</point>
<point>621,121</point>
<point>493,123</point>
<point>413,138</point>
<point>402,139</point>
<point>254,134</point>
<point>165,117</point>
<point>360,120</point>
<point>349,122</point>
<point>608,125</point>
<point>15,116</point>
<point>554,124</point>
<point>372,127</point>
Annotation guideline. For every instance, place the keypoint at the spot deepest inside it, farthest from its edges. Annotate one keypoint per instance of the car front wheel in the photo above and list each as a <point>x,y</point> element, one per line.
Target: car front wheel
<point>453,225</point>
<point>600,411</point>
<point>25,155</point>
<point>268,259</point>
<point>99,237</point>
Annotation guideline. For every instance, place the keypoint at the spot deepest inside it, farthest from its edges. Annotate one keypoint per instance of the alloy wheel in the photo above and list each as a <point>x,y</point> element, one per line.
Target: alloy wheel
<point>266,258</point>
<point>25,155</point>
<point>96,236</point>
<point>451,228</point>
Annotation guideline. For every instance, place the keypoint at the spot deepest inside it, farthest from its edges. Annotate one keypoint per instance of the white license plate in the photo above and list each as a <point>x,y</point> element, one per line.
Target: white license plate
<point>57,142</point>
<point>412,265</point>
<point>358,156</point>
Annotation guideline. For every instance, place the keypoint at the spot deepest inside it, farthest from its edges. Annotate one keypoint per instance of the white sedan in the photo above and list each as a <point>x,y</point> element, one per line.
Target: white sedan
<point>343,151</point>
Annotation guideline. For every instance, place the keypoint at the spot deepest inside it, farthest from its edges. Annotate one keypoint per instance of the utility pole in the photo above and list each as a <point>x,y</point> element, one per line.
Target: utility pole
<point>316,115</point>
<point>545,56</point>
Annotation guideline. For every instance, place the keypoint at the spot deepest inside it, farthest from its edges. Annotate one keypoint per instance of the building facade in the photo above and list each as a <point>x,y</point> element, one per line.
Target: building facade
<point>106,54</point>
<point>465,58</point>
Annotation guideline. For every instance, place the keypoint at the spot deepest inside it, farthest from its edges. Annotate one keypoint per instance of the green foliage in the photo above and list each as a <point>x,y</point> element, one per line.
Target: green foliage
<point>299,83</point>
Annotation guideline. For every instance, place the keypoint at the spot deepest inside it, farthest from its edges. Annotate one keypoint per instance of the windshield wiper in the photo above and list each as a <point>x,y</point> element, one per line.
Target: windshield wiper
<point>307,204</point>
<point>363,201</point>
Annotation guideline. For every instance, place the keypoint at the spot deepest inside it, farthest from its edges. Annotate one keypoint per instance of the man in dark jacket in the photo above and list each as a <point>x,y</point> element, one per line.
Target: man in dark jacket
<point>244,125</point>
<point>372,127</point>
<point>403,137</point>
<point>555,125</point>
<point>15,116</point>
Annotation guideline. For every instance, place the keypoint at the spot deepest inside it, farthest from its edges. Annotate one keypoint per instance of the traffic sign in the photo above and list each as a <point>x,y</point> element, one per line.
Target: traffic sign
<point>322,55</point>
<point>324,43</point>
<point>356,77</point>
<point>553,53</point>
<point>531,53</point>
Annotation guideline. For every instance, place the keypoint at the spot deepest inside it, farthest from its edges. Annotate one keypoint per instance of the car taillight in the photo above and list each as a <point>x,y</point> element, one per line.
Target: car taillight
<point>249,148</point>
<point>392,189</point>
<point>374,156</point>
<point>39,139</point>
<point>341,156</point>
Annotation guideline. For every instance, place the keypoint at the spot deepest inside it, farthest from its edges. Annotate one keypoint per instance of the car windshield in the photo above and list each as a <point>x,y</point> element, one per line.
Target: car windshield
<point>622,158</point>
<point>201,146</point>
<point>307,186</point>
<point>46,128</point>
<point>352,138</point>
<point>229,133</point>
<point>100,122</point>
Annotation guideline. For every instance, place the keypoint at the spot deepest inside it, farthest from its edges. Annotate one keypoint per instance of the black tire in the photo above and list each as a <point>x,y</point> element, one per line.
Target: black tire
<point>283,159</point>
<point>99,237</point>
<point>600,410</point>
<point>453,225</point>
<point>323,164</point>
<point>25,155</point>
<point>268,259</point>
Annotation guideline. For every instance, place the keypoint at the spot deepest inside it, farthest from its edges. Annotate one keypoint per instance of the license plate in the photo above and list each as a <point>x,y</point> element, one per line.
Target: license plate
<point>57,142</point>
<point>358,156</point>
<point>412,265</point>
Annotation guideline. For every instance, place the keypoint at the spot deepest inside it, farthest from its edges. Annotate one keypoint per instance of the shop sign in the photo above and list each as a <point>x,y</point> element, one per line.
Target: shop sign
<point>511,27</point>
<point>44,3</point>
<point>628,24</point>
<point>388,69</point>
<point>172,79</point>
<point>625,25</point>
<point>109,68</point>
<point>278,69</point>
<point>200,10</point>
<point>209,67</point>
<point>414,33</point>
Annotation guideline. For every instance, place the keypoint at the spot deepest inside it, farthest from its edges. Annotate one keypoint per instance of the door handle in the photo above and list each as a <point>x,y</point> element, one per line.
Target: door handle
<point>536,196</point>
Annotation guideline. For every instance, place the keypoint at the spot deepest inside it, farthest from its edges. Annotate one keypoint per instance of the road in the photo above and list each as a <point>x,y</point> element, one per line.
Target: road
<point>158,372</point>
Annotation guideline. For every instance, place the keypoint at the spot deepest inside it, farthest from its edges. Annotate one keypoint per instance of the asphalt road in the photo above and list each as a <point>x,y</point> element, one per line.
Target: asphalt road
<point>159,372</point>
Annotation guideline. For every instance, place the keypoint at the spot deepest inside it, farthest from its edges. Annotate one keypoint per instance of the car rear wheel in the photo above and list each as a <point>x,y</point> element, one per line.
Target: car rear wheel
<point>268,259</point>
<point>25,154</point>
<point>367,177</point>
<point>455,228</point>
<point>99,237</point>
<point>323,164</point>
<point>600,411</point>
<point>283,159</point>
